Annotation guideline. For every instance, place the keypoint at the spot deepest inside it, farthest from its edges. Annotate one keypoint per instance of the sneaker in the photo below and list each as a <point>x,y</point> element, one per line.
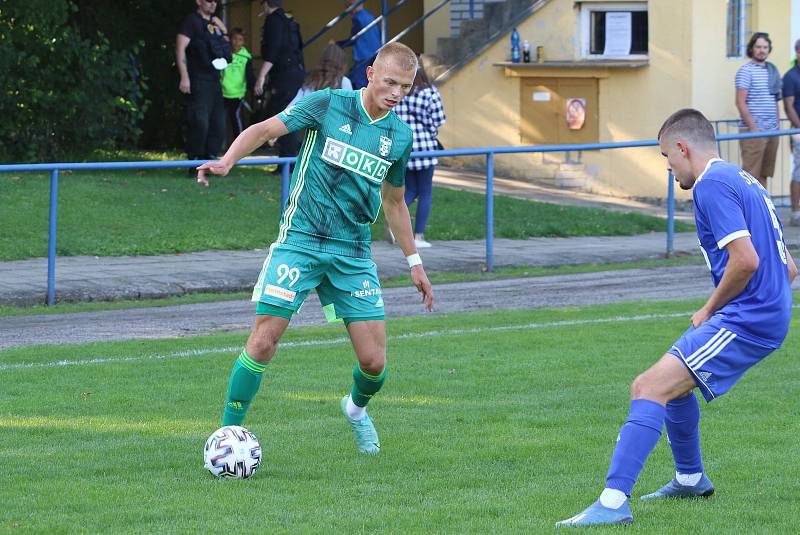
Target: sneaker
<point>366,436</point>
<point>673,489</point>
<point>422,244</point>
<point>597,515</point>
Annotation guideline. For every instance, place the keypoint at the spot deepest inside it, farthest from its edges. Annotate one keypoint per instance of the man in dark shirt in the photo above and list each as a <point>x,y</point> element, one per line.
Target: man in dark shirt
<point>791,103</point>
<point>200,82</point>
<point>281,50</point>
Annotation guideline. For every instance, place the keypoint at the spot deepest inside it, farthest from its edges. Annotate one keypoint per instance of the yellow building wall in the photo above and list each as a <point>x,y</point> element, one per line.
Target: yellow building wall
<point>436,26</point>
<point>772,16</point>
<point>709,61</point>
<point>483,104</point>
<point>713,73</point>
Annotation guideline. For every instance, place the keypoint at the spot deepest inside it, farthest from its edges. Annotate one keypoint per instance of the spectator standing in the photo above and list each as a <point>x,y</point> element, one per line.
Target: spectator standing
<point>758,90</point>
<point>791,104</point>
<point>282,52</point>
<point>329,73</point>
<point>195,53</point>
<point>365,47</point>
<point>422,110</point>
<point>237,78</point>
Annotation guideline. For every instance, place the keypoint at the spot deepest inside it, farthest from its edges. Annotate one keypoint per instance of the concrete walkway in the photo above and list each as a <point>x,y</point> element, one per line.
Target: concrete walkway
<point>88,278</point>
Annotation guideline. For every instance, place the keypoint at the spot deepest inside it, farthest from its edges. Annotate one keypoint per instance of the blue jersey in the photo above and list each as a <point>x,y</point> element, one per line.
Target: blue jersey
<point>730,204</point>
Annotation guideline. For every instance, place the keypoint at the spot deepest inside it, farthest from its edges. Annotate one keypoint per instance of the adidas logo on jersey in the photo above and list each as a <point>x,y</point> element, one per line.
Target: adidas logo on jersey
<point>346,129</point>
<point>704,375</point>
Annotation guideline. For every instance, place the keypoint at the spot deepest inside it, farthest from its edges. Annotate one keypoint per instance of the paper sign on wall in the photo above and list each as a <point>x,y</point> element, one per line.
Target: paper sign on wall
<point>541,96</point>
<point>618,33</point>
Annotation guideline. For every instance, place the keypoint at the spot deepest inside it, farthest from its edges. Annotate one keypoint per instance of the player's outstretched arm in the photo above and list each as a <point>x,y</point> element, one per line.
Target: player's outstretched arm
<point>396,212</point>
<point>742,264</point>
<point>248,141</point>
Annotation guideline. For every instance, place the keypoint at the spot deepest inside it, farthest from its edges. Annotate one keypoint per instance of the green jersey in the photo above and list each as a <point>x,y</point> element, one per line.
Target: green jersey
<point>335,192</point>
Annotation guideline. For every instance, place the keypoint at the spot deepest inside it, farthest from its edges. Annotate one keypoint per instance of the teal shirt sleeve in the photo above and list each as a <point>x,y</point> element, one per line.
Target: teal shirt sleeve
<point>308,112</point>
<point>397,172</point>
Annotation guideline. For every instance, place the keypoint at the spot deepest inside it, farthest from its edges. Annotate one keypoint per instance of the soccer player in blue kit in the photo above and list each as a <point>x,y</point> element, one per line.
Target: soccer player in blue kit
<point>745,319</point>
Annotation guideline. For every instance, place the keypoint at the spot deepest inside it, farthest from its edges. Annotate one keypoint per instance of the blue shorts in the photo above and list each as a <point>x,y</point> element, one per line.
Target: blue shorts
<point>717,356</point>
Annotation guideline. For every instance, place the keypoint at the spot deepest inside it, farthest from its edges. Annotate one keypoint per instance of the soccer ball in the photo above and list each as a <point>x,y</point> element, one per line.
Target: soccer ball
<point>232,452</point>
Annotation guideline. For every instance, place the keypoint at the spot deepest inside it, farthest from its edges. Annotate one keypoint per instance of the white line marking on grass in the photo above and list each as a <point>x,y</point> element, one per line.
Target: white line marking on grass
<point>336,341</point>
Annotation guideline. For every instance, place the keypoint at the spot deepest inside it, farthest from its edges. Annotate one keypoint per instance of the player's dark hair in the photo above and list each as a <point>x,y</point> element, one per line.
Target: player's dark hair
<point>752,42</point>
<point>273,3</point>
<point>236,31</point>
<point>690,125</point>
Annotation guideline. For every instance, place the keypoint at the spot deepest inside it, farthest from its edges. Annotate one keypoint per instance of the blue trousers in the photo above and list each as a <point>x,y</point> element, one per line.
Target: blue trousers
<point>419,185</point>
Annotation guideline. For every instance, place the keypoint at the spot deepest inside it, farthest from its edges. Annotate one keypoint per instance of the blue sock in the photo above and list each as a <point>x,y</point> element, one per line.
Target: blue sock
<point>683,430</point>
<point>637,438</point>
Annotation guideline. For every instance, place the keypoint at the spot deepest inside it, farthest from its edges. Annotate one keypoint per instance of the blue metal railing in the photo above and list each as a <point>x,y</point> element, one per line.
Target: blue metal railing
<point>381,19</point>
<point>419,21</point>
<point>333,22</point>
<point>363,63</point>
<point>729,151</point>
<point>489,152</point>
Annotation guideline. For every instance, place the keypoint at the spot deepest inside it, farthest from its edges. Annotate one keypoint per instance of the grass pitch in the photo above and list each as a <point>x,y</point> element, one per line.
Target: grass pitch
<point>498,422</point>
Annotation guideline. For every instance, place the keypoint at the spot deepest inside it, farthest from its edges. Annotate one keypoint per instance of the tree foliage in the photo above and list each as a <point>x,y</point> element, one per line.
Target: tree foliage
<point>151,27</point>
<point>64,90</point>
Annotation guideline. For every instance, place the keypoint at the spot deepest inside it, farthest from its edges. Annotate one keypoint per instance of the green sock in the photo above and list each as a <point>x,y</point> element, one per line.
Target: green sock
<point>242,387</point>
<point>365,385</point>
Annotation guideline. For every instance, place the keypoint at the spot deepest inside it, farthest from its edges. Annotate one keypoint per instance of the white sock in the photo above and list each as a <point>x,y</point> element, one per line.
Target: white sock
<point>688,480</point>
<point>612,498</point>
<point>354,411</point>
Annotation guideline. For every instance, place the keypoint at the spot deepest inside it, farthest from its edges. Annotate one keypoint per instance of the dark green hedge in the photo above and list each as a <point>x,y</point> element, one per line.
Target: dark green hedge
<point>82,75</point>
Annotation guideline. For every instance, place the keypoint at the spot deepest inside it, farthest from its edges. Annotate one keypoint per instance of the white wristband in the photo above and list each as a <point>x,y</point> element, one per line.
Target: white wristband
<point>414,260</point>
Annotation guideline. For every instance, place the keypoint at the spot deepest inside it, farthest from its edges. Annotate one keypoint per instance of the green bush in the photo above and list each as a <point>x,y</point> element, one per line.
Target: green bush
<point>62,94</point>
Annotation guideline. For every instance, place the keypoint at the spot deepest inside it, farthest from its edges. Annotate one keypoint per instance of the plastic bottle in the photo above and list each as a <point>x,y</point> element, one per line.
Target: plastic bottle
<point>526,51</point>
<point>515,46</point>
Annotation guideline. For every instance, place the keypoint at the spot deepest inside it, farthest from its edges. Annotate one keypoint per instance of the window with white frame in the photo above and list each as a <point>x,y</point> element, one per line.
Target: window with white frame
<point>614,30</point>
<point>738,30</point>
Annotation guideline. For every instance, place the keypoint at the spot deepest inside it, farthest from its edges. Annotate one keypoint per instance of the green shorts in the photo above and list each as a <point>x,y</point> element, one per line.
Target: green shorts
<point>348,287</point>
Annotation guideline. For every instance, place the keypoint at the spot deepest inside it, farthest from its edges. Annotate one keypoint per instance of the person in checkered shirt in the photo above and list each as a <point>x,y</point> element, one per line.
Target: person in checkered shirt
<point>422,110</point>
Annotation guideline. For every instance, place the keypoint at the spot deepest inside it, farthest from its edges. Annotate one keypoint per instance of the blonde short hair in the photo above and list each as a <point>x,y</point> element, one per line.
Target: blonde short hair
<point>405,57</point>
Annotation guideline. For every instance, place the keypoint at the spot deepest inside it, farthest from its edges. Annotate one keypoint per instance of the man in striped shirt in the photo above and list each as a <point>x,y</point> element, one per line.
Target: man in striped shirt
<point>757,94</point>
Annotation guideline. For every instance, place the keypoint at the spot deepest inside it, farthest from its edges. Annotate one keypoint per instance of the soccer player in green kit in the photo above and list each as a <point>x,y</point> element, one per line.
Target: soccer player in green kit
<point>352,161</point>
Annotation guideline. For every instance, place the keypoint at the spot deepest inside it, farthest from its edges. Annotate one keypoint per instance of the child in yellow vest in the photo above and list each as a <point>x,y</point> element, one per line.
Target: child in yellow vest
<point>236,79</point>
